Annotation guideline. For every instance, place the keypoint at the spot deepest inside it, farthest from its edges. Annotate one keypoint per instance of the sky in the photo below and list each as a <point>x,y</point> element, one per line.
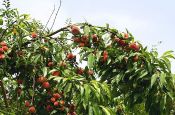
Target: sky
<point>150,21</point>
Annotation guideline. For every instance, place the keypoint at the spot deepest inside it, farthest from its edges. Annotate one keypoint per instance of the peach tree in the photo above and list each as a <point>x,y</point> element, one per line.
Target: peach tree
<point>79,69</point>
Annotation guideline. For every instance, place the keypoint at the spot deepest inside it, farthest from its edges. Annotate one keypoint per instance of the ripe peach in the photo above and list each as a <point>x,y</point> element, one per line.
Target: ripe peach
<point>77,40</point>
<point>3,43</point>
<point>94,38</point>
<point>81,44</point>
<point>122,42</point>
<point>52,99</point>
<point>80,71</point>
<point>135,58</point>
<point>41,79</point>
<point>2,56</point>
<point>75,30</point>
<point>105,56</point>
<point>50,63</point>
<point>46,85</point>
<point>62,102</point>
<point>56,95</point>
<point>56,73</point>
<point>1,50</point>
<point>5,48</point>
<point>56,103</point>
<point>135,46</point>
<point>70,56</point>
<point>32,109</point>
<point>34,35</point>
<point>84,38</point>
<point>27,103</point>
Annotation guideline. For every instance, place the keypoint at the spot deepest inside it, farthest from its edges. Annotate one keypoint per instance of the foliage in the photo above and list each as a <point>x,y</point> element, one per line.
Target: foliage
<point>40,70</point>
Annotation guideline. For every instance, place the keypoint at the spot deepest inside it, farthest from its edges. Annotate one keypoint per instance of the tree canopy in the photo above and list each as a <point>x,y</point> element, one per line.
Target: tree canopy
<point>41,70</point>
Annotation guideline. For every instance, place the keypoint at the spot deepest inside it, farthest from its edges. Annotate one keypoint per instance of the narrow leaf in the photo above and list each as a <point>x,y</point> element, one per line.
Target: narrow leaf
<point>91,60</point>
<point>153,79</point>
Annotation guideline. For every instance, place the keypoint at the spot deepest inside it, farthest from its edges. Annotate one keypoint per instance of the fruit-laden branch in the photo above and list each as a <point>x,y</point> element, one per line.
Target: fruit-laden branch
<point>4,93</point>
<point>57,31</point>
<point>82,24</point>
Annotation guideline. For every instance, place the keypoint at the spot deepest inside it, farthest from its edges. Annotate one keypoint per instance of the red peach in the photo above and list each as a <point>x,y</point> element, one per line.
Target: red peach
<point>32,109</point>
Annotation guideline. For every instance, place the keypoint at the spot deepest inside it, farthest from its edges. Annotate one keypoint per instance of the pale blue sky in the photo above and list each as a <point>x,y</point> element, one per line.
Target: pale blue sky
<point>150,21</point>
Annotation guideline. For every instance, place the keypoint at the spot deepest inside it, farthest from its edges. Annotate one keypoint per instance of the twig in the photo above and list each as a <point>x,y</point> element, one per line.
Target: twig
<point>56,16</point>
<point>49,18</point>
<point>4,93</point>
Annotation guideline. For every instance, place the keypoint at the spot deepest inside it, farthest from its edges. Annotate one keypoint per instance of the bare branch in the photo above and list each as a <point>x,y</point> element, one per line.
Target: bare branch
<point>56,15</point>
<point>49,18</point>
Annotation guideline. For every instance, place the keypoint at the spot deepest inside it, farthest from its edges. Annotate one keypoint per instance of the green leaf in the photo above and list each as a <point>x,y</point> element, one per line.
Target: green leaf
<point>44,71</point>
<point>106,89</point>
<point>86,30</point>
<point>81,91</point>
<point>90,110</point>
<point>163,102</point>
<point>143,74</point>
<point>91,60</point>
<point>167,53</point>
<point>68,87</point>
<point>96,110</point>
<point>171,95</point>
<point>95,90</point>
<point>87,91</point>
<point>94,83</point>
<point>31,92</point>
<point>36,58</point>
<point>1,21</point>
<point>154,78</point>
<point>162,78</point>
<point>149,67</point>
<point>167,62</point>
<point>105,110</point>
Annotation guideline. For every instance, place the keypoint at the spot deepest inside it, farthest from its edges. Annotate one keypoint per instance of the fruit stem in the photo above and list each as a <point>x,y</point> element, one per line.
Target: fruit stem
<point>4,93</point>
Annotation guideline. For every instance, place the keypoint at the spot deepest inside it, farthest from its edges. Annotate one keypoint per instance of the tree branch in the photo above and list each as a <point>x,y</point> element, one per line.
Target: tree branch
<point>33,89</point>
<point>57,31</point>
